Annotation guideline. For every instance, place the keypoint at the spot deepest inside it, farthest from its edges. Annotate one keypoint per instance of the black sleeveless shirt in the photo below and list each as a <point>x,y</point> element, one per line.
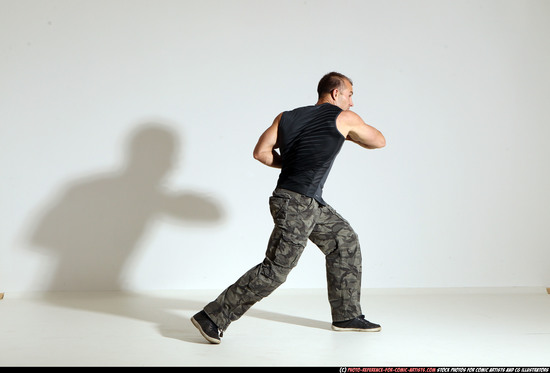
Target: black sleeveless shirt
<point>309,142</point>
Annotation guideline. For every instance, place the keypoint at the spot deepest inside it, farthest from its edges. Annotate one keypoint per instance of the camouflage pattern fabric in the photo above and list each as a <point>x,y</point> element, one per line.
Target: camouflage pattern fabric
<point>298,218</point>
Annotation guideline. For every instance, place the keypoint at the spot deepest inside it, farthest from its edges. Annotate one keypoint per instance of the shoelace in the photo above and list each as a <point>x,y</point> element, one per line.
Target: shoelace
<point>363,320</point>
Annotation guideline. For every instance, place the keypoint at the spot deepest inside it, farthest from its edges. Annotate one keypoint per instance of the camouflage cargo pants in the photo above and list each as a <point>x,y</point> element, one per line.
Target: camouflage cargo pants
<point>298,218</point>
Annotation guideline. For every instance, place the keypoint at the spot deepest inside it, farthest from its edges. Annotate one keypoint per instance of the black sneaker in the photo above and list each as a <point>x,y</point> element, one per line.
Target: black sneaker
<point>208,329</point>
<point>358,324</point>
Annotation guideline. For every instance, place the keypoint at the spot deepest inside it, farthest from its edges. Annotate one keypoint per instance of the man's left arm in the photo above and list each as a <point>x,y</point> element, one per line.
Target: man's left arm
<point>265,148</point>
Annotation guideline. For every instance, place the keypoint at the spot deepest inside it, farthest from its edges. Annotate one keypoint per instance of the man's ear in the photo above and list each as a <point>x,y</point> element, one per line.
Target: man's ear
<point>334,93</point>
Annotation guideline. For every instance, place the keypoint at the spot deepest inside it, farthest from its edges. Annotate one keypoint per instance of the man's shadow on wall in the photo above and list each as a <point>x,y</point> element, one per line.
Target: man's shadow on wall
<point>94,227</point>
<point>92,230</point>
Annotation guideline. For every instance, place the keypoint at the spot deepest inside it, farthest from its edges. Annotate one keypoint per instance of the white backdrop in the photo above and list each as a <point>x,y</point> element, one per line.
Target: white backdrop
<point>127,129</point>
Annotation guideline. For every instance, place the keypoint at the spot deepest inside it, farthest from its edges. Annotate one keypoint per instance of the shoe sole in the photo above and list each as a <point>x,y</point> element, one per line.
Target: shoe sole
<point>337,329</point>
<point>206,336</point>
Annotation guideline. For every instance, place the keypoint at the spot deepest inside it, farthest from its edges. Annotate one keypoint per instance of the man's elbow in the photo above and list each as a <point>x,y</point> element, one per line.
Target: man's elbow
<point>377,143</point>
<point>259,156</point>
<point>257,152</point>
<point>381,141</point>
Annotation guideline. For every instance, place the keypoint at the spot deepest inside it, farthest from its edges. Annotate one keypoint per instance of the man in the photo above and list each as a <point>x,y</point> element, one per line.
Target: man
<point>308,138</point>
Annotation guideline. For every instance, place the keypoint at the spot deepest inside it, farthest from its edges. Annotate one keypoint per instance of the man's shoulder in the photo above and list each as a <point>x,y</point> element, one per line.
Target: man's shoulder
<point>347,121</point>
<point>295,113</point>
<point>300,108</point>
<point>312,108</point>
<point>349,116</point>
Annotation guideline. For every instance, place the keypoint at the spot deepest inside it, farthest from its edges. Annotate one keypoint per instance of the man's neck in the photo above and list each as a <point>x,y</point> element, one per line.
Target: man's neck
<point>324,100</point>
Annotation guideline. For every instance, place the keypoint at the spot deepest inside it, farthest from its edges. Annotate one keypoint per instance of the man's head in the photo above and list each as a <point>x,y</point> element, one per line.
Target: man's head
<point>337,89</point>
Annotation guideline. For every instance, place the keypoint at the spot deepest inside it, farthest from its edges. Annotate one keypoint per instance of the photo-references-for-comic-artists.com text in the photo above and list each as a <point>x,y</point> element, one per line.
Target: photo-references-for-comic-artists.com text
<point>446,370</point>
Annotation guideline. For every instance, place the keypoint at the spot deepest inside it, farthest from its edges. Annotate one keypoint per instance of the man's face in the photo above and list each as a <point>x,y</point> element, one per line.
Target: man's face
<point>343,96</point>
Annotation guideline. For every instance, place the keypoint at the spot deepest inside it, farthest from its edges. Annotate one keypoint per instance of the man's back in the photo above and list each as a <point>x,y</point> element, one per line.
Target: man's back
<point>309,142</point>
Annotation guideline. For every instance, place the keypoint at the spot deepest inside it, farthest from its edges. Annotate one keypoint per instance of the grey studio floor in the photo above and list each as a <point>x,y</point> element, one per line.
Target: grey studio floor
<point>420,327</point>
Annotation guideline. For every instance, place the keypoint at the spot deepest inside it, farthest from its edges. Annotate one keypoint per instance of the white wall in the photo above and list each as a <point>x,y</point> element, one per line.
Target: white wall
<point>459,197</point>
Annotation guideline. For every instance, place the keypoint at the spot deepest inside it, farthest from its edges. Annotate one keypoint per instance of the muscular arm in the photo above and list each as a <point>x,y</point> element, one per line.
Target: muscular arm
<point>354,129</point>
<point>265,148</point>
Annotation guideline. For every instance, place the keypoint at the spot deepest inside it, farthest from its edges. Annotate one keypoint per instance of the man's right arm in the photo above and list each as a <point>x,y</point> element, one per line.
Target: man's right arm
<point>264,151</point>
<point>353,128</point>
